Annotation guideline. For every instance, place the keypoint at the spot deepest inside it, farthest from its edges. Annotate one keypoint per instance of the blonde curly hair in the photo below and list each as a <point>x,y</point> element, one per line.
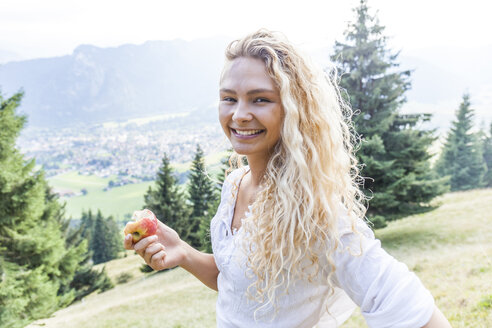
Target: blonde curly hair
<point>311,176</point>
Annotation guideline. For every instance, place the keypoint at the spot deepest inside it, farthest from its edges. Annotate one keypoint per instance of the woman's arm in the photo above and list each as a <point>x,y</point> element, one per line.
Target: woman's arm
<point>437,320</point>
<point>388,294</point>
<point>166,250</point>
<point>201,265</point>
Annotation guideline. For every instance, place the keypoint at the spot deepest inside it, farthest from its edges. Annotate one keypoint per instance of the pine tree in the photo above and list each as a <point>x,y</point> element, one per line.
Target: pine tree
<point>201,196</point>
<point>167,201</point>
<point>35,262</point>
<point>106,239</point>
<point>86,279</point>
<point>204,228</point>
<point>461,157</point>
<point>87,223</point>
<point>487,157</point>
<point>394,151</point>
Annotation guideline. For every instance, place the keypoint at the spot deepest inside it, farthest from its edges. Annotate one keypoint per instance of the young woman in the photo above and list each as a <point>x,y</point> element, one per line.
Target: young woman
<point>289,246</point>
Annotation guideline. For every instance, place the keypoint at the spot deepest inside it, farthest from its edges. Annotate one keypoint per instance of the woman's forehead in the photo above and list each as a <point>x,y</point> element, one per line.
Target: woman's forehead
<point>246,72</point>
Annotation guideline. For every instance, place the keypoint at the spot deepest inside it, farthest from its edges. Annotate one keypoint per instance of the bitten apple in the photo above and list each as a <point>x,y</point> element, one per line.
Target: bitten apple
<point>144,225</point>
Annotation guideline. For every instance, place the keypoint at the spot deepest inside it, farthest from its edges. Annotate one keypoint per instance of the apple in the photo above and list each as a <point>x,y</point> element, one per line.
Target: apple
<point>144,224</point>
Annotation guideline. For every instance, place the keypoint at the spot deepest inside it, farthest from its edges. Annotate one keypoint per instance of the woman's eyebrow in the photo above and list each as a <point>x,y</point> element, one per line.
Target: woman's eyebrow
<point>250,92</point>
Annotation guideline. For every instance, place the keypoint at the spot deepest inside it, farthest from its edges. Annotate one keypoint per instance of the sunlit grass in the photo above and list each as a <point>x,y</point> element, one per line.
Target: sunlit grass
<point>119,201</point>
<point>116,201</point>
<point>450,249</point>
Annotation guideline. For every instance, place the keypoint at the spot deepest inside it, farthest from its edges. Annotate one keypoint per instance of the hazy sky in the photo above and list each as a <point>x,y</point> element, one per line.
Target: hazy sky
<point>41,28</point>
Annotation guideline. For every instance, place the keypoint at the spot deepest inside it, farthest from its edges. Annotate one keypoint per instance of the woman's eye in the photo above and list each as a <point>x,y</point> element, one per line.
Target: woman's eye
<point>260,100</point>
<point>228,99</point>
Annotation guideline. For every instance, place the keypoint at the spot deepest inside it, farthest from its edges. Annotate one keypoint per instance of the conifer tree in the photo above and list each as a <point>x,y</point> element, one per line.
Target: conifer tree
<point>461,157</point>
<point>86,279</point>
<point>204,228</point>
<point>201,196</point>
<point>487,157</point>
<point>34,259</point>
<point>106,240</point>
<point>394,151</point>
<point>87,223</point>
<point>167,201</point>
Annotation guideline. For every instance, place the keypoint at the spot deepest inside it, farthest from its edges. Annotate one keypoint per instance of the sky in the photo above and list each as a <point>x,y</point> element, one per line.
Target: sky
<point>34,28</point>
<point>47,28</point>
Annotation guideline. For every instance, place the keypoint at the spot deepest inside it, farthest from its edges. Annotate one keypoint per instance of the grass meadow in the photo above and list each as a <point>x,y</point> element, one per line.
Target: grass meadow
<point>118,201</point>
<point>450,249</point>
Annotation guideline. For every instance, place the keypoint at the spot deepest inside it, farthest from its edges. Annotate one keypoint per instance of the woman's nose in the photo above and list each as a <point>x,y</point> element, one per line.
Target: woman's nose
<point>242,112</point>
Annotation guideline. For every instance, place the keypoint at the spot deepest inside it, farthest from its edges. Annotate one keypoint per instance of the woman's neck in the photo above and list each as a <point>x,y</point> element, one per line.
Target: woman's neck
<point>257,167</point>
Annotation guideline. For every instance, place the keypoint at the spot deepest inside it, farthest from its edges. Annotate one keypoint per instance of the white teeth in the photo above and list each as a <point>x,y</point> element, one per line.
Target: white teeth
<point>248,132</point>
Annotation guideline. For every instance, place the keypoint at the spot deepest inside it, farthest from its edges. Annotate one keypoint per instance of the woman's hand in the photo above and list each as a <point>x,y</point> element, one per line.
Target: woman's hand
<point>166,250</point>
<point>161,251</point>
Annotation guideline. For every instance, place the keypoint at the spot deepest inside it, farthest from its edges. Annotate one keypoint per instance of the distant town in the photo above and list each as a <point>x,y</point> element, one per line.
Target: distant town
<point>129,152</point>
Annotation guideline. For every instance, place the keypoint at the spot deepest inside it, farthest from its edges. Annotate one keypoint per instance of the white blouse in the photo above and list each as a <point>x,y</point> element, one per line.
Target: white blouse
<point>388,294</point>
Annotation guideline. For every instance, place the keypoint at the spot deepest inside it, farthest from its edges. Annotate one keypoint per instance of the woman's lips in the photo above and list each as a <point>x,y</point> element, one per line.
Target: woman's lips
<point>247,134</point>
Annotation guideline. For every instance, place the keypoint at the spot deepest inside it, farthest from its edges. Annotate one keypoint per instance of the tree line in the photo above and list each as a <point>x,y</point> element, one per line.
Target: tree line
<point>394,150</point>
<point>190,212</point>
<point>46,261</point>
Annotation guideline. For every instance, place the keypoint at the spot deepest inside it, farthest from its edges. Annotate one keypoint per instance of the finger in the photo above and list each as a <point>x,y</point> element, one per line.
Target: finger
<point>144,243</point>
<point>158,260</point>
<point>128,243</point>
<point>151,250</point>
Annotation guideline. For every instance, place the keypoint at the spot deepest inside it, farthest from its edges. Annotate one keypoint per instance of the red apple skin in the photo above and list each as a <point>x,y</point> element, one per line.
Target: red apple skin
<point>142,228</point>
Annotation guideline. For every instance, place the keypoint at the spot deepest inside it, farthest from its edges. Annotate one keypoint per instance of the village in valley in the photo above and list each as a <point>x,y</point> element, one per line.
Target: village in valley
<point>127,153</point>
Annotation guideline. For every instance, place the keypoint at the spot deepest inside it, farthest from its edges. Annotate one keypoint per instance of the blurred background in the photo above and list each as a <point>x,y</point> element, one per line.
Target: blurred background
<point>119,100</point>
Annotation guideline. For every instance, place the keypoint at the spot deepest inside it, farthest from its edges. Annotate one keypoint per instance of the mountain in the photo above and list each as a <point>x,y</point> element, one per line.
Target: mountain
<point>440,76</point>
<point>95,85</point>
<point>7,56</point>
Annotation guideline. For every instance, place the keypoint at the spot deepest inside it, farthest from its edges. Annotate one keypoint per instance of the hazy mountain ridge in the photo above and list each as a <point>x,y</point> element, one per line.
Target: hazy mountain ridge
<point>101,84</point>
<point>94,85</point>
<point>8,56</point>
<point>440,76</point>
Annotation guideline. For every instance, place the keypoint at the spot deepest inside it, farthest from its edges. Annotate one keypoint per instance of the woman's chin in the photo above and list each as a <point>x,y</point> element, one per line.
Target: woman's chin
<point>240,151</point>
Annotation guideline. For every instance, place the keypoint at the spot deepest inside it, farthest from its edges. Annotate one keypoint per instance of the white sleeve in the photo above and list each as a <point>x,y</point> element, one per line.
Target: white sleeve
<point>388,294</point>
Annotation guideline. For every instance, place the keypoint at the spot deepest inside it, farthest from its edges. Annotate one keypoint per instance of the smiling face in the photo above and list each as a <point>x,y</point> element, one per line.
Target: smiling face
<point>250,109</point>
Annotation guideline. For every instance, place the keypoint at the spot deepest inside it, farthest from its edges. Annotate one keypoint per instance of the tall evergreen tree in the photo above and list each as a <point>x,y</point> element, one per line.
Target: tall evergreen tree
<point>200,186</point>
<point>204,228</point>
<point>34,259</point>
<point>394,151</point>
<point>461,157</point>
<point>87,223</point>
<point>201,196</point>
<point>487,157</point>
<point>106,239</point>
<point>86,279</point>
<point>167,201</point>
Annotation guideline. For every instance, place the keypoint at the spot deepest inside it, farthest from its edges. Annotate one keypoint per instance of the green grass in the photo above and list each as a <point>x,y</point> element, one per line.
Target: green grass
<point>450,249</point>
<point>118,202</point>
<point>74,181</point>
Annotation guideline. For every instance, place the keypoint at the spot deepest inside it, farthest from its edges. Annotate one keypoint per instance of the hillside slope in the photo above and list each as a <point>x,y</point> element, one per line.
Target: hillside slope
<point>450,249</point>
